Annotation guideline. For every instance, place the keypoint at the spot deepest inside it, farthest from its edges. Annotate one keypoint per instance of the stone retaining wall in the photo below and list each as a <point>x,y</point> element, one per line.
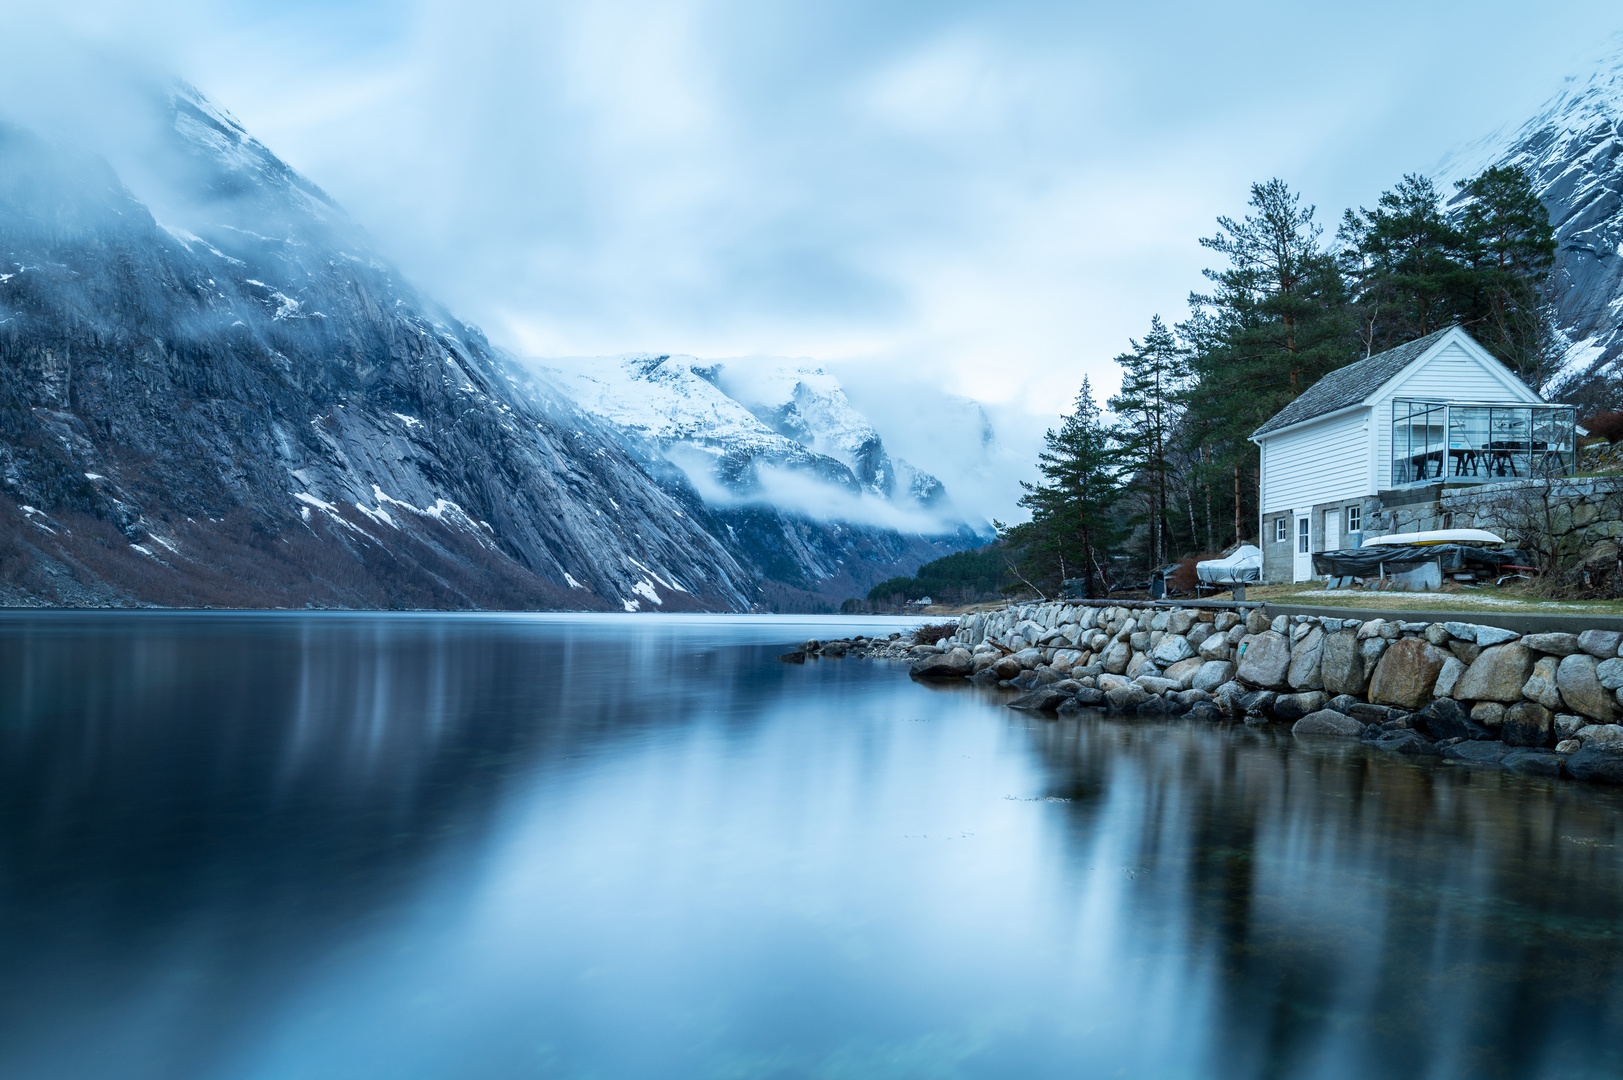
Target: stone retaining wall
<point>1544,703</point>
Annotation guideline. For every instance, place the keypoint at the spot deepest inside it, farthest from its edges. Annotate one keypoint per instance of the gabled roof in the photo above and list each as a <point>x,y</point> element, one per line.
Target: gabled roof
<point>1351,385</point>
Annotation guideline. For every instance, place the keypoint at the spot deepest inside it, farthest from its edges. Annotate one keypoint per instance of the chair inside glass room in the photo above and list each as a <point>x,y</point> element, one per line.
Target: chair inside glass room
<point>1474,442</point>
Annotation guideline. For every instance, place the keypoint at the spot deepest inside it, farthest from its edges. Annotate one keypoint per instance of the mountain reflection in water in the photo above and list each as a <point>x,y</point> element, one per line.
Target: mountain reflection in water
<point>330,846</point>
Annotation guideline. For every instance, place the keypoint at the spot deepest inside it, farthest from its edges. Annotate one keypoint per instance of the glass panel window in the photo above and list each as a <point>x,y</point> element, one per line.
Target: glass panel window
<point>1302,525</point>
<point>1281,530</point>
<point>1354,519</point>
<point>1473,443</point>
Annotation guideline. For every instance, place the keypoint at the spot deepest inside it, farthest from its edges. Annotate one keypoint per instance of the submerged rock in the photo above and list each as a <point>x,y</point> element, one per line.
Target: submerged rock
<point>1599,764</point>
<point>1477,753</point>
<point>1328,722</point>
<point>953,665</point>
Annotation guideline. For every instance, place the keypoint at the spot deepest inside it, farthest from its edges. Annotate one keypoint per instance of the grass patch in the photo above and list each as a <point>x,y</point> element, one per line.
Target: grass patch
<point>1509,600</point>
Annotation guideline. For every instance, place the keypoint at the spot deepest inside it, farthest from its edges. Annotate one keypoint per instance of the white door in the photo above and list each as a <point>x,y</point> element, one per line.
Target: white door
<point>1332,530</point>
<point>1304,549</point>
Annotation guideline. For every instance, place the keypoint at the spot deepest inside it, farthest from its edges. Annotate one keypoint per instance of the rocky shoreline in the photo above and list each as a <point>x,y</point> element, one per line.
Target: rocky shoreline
<point>1545,704</point>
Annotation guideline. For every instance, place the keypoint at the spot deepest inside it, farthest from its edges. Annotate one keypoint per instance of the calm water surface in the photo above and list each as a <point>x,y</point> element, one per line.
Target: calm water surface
<point>276,847</point>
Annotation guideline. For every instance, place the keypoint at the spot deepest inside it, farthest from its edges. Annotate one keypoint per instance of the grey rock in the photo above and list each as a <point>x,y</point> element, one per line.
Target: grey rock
<point>1448,677</point>
<point>1007,668</point>
<point>953,665</point>
<point>1116,656</point>
<point>1159,621</point>
<point>1490,714</point>
<point>1534,763</point>
<point>796,657</point>
<point>1184,671</point>
<point>1306,656</point>
<point>1026,681</point>
<point>1190,698</point>
<point>1289,707</point>
<point>1029,658</point>
<point>1463,631</point>
<point>1444,719</point>
<point>1407,673</point>
<point>1437,635</point>
<point>1327,722</point>
<point>1567,725</point>
<point>1108,682</point>
<point>1280,624</point>
<point>1223,621</point>
<point>1476,753</point>
<point>1127,697</point>
<point>1527,723</point>
<point>1264,660</point>
<point>1046,699</point>
<point>1370,714</point>
<point>1601,735</point>
<point>1157,685</point>
<point>1601,644</point>
<point>1255,621</point>
<point>1086,698</point>
<point>1466,651</point>
<point>1599,764</point>
<point>1581,689</point>
<point>1371,629</point>
<point>1212,674</point>
<point>1487,636</point>
<point>1341,667</point>
<point>1215,647</point>
<point>1497,675</point>
<point>1554,644</point>
<point>1180,621</point>
<point>1541,685</point>
<point>1172,649</point>
<point>1610,673</point>
<point>1205,711</point>
<point>1409,743</point>
<point>1199,633</point>
<point>1140,641</point>
<point>1141,664</point>
<point>1235,635</point>
<point>1258,702</point>
<point>985,677</point>
<point>1342,703</point>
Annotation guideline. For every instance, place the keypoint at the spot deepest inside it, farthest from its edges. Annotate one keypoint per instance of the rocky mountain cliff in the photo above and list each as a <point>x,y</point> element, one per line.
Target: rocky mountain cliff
<point>799,481</point>
<point>1573,149</point>
<point>235,402</point>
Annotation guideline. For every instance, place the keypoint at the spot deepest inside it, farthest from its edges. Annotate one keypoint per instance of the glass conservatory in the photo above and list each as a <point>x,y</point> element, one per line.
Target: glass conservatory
<point>1466,442</point>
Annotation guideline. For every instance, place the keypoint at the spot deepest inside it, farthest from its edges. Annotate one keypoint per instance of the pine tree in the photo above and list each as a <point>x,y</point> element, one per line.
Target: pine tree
<point>1406,263</point>
<point>1510,248</point>
<point>1276,322</point>
<point>1154,376</point>
<point>1072,508</point>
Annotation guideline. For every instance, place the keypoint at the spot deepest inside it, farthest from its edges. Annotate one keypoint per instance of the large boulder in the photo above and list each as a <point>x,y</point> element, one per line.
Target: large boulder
<point>1184,671</point>
<point>1127,697</point>
<point>1527,723</point>
<point>1306,656</point>
<point>1328,722</point>
<point>1444,719</point>
<point>1290,707</point>
<point>1554,644</point>
<point>1341,665</point>
<point>1043,699</point>
<point>1180,620</point>
<point>1407,673</point>
<point>1116,656</point>
<point>1581,688</point>
<point>951,665</point>
<point>1171,649</point>
<point>1497,674</point>
<point>1476,753</point>
<point>1215,647</point>
<point>1212,674</point>
<point>1541,686</point>
<point>1599,764</point>
<point>1264,660</point>
<point>1601,644</point>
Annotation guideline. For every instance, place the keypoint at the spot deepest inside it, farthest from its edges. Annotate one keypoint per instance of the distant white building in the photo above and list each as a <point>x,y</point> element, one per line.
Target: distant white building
<point>1394,430</point>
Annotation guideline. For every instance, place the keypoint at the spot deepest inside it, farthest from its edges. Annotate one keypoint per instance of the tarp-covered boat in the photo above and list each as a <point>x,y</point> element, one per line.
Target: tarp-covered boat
<point>1245,564</point>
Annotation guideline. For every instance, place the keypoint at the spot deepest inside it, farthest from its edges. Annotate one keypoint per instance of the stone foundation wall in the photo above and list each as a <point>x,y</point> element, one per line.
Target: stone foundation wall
<point>1580,512</point>
<point>1545,703</point>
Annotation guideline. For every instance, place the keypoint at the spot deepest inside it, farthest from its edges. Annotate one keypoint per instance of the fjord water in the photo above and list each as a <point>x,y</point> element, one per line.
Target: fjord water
<point>261,847</point>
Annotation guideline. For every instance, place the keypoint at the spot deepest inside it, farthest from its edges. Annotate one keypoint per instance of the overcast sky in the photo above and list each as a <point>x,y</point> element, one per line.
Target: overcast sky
<point>992,196</point>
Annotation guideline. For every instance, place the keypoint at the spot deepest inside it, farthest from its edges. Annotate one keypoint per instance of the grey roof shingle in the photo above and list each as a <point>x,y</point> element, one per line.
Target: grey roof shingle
<point>1349,385</point>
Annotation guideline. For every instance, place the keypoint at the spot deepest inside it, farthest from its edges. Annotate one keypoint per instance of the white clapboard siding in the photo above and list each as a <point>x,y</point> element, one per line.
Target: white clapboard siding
<point>1450,373</point>
<point>1317,462</point>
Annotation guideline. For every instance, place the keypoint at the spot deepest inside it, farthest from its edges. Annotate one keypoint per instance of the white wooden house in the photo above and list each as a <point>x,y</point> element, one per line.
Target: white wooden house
<point>1398,427</point>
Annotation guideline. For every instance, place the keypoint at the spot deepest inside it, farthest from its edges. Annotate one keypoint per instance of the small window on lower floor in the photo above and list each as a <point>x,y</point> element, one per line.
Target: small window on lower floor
<point>1355,519</point>
<point>1281,530</point>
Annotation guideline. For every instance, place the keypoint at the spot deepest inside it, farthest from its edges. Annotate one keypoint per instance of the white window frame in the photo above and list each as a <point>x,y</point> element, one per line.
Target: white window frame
<point>1282,529</point>
<point>1355,519</point>
<point>1304,535</point>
